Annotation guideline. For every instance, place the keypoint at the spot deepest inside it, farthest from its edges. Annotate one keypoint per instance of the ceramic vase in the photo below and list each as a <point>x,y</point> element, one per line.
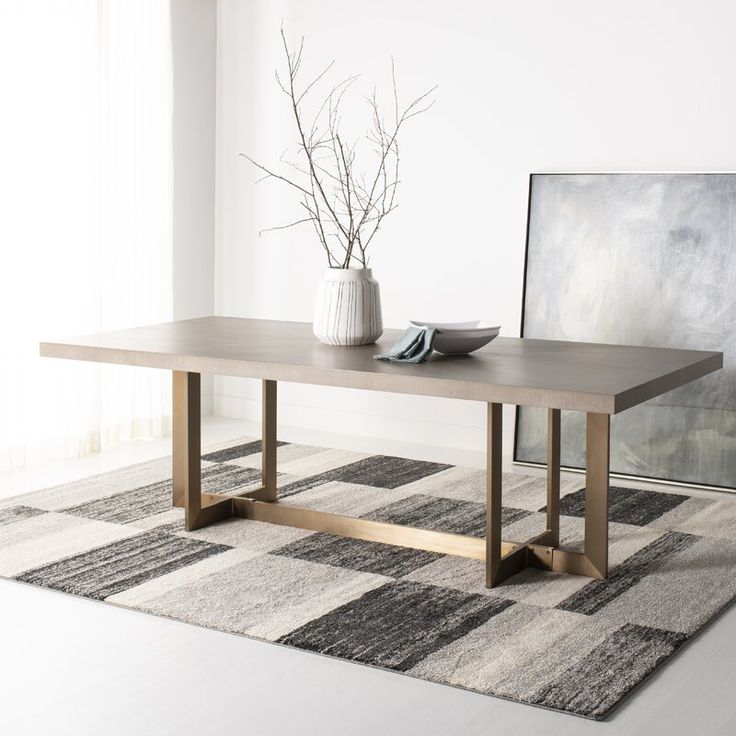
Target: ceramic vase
<point>348,307</point>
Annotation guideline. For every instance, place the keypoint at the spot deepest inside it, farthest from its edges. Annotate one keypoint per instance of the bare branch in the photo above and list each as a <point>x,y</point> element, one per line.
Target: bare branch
<point>316,182</point>
<point>297,57</point>
<point>314,81</point>
<point>420,99</point>
<point>420,111</point>
<point>279,82</point>
<point>269,173</point>
<point>343,203</point>
<point>284,227</point>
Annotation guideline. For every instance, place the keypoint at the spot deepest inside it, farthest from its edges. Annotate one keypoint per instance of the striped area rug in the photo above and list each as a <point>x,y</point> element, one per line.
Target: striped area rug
<point>553,640</point>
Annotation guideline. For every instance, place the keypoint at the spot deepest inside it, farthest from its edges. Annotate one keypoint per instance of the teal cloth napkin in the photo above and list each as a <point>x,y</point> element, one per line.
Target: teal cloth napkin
<point>414,346</point>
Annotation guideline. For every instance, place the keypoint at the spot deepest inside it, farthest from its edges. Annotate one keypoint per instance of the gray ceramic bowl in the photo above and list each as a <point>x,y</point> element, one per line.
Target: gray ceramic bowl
<point>460,338</point>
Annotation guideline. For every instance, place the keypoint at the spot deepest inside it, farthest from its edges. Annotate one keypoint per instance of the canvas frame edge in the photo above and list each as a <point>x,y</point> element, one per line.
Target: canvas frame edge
<point>517,412</point>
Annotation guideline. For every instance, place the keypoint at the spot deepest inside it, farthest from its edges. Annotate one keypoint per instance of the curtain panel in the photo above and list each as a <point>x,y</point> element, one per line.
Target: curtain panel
<point>86,225</point>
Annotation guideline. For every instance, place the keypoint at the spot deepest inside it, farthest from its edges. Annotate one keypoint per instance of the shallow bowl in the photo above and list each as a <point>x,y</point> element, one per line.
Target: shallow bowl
<point>449,343</point>
<point>474,326</point>
<point>460,338</point>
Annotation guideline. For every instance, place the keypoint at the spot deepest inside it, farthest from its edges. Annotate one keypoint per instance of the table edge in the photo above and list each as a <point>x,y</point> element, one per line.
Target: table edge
<point>711,362</point>
<point>425,386</point>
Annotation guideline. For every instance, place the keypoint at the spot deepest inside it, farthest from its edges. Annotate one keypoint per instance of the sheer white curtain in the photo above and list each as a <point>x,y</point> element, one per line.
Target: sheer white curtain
<point>85,217</point>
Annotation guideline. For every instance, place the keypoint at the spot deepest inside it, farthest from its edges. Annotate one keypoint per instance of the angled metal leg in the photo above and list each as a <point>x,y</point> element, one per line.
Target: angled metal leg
<point>549,539</point>
<point>503,559</point>
<point>187,448</point>
<point>267,491</point>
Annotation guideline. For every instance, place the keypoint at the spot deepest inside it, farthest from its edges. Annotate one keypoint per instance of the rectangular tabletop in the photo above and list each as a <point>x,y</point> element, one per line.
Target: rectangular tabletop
<point>564,375</point>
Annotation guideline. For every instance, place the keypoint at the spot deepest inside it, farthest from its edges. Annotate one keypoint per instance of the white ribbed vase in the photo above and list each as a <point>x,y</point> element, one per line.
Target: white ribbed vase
<point>348,307</point>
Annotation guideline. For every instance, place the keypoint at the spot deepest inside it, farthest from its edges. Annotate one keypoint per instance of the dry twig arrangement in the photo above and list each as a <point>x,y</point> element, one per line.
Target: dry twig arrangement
<point>346,207</point>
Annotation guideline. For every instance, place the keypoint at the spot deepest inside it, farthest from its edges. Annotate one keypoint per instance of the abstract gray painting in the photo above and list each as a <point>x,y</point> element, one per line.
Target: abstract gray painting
<point>639,259</point>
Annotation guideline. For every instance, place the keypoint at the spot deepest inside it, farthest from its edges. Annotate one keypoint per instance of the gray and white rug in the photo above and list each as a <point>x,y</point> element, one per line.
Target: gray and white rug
<point>547,639</point>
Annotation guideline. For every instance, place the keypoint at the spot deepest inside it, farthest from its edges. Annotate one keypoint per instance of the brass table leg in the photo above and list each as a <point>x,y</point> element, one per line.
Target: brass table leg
<point>596,492</point>
<point>268,441</point>
<point>553,477</point>
<point>502,558</point>
<point>268,445</point>
<point>186,435</point>
<point>187,450</point>
<point>494,431</point>
<point>203,509</point>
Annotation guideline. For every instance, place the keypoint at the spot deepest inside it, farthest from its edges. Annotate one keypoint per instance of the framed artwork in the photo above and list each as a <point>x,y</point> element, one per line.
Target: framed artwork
<point>639,259</point>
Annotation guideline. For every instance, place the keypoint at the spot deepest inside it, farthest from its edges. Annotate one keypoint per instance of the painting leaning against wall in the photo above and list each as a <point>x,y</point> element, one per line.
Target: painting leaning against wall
<point>639,259</point>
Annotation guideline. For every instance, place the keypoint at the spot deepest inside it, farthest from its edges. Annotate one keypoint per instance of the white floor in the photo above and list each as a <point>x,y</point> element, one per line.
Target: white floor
<point>72,666</point>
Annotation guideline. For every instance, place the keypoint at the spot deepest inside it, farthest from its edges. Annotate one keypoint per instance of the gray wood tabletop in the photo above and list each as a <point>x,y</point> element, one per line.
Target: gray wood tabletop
<point>565,375</point>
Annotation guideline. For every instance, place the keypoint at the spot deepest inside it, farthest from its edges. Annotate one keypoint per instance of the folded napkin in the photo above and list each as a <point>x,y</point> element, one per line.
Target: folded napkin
<point>414,346</point>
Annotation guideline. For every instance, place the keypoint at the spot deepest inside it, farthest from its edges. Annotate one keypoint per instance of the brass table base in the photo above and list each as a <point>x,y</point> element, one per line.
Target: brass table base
<point>502,558</point>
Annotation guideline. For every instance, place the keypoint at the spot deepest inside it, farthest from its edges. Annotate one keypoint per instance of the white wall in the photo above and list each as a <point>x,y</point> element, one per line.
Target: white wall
<point>527,86</point>
<point>194,44</point>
